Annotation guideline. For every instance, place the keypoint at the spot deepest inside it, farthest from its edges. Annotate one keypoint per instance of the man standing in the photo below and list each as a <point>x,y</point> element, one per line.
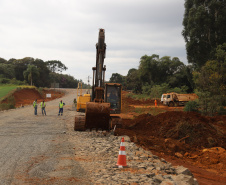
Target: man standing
<point>35,107</point>
<point>61,105</point>
<point>43,106</point>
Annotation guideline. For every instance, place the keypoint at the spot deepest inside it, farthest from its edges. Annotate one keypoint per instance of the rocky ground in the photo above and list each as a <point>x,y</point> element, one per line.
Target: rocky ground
<point>98,154</point>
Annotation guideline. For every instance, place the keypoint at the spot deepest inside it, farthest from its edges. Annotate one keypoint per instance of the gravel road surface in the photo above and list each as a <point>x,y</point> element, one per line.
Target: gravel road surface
<point>46,150</point>
<point>32,147</point>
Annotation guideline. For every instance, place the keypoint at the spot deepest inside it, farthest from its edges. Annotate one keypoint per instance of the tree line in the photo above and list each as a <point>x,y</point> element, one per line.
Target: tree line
<point>205,38</point>
<point>35,72</point>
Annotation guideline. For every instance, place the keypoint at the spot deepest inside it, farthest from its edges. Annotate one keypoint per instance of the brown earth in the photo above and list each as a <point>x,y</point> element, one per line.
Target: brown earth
<point>183,138</point>
<point>188,139</point>
<point>27,96</point>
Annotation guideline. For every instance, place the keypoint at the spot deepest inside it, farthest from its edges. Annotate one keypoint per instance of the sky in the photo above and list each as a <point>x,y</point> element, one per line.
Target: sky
<point>67,30</point>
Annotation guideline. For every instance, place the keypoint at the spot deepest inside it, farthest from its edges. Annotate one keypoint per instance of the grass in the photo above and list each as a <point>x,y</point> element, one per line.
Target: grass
<point>5,89</point>
<point>152,111</point>
<point>138,96</point>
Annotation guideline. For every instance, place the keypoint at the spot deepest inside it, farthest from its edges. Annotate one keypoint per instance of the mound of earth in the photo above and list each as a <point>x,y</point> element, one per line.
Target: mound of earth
<point>27,96</point>
<point>181,134</point>
<point>194,130</point>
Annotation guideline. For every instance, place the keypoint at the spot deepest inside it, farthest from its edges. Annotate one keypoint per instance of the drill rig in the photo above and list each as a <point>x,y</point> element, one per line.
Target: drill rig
<point>105,106</point>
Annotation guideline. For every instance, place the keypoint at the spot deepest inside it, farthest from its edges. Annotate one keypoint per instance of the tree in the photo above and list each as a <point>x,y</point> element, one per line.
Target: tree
<point>43,80</point>
<point>56,66</point>
<point>204,29</point>
<point>133,81</point>
<point>7,70</point>
<point>20,65</point>
<point>31,73</point>
<point>211,83</point>
<point>148,69</point>
<point>116,78</point>
<point>2,60</point>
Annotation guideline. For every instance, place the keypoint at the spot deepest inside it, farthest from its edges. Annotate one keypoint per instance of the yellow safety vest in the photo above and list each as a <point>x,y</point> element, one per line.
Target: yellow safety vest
<point>42,104</point>
<point>34,104</point>
<point>61,105</point>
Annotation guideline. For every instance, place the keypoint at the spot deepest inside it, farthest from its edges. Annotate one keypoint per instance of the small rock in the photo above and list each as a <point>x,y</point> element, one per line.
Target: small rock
<point>179,155</point>
<point>183,170</point>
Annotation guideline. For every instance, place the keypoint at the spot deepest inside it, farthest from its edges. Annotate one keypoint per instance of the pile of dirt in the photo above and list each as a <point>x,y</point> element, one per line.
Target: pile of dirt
<point>180,134</point>
<point>193,129</point>
<point>27,96</point>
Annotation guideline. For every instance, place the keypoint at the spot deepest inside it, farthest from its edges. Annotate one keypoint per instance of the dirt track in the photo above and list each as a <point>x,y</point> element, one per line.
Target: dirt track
<point>31,146</point>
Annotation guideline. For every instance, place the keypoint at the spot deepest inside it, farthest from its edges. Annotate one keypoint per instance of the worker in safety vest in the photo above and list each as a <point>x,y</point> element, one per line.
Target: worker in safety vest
<point>43,106</point>
<point>35,107</point>
<point>61,105</point>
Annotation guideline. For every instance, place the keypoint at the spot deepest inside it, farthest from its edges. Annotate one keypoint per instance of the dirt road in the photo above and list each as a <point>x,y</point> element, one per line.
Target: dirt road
<point>31,146</point>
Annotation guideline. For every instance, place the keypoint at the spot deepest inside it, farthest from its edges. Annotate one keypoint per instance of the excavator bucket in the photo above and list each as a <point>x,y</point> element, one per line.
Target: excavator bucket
<point>97,116</point>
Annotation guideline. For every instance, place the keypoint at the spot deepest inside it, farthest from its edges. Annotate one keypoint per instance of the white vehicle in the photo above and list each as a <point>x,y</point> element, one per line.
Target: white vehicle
<point>175,99</point>
<point>163,98</point>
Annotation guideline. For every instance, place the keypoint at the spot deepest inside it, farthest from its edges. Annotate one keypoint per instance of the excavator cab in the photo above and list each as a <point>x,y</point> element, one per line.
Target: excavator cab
<point>113,96</point>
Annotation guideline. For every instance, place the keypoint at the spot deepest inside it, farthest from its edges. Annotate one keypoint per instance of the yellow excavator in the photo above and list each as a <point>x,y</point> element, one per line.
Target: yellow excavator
<point>103,112</point>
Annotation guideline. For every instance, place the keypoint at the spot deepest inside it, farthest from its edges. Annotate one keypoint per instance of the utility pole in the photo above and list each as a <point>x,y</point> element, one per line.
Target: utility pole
<point>88,83</point>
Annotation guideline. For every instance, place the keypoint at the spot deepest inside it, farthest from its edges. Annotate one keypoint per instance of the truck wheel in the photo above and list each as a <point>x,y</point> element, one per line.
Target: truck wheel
<point>171,104</point>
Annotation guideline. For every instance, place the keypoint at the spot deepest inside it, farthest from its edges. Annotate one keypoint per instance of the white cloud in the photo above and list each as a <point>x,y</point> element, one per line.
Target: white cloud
<point>67,30</point>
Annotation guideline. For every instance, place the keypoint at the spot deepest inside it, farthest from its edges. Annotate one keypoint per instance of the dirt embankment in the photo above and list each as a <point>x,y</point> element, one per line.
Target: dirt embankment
<point>187,138</point>
<point>27,96</point>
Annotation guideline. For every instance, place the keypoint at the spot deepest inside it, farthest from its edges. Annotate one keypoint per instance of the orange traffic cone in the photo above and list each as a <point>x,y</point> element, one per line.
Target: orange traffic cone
<point>122,155</point>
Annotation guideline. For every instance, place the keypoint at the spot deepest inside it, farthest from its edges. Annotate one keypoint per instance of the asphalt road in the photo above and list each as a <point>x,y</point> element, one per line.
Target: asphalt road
<point>32,147</point>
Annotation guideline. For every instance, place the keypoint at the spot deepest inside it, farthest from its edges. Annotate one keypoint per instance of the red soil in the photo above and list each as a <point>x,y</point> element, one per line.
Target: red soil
<point>27,96</point>
<point>183,138</point>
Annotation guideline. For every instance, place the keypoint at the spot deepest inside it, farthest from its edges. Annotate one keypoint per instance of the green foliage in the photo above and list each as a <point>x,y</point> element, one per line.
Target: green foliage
<point>9,105</point>
<point>204,29</point>
<point>156,91</point>
<point>11,101</point>
<point>211,83</point>
<point>56,66</point>
<point>40,90</point>
<point>31,73</point>
<point>132,81</point>
<point>221,111</point>
<point>191,106</point>
<point>117,78</point>
<point>35,71</point>
<point>138,96</point>
<point>5,89</point>
<point>65,81</point>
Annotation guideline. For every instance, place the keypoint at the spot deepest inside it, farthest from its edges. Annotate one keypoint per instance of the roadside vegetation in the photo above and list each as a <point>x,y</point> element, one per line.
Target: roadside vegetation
<point>205,74</point>
<point>36,72</point>
<point>5,89</point>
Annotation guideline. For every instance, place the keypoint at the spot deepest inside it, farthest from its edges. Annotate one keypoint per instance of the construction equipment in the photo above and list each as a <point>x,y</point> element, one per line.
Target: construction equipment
<point>175,99</point>
<point>106,99</point>
<point>82,99</point>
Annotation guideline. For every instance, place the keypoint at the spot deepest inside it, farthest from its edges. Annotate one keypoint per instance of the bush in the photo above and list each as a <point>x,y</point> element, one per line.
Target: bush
<point>4,80</point>
<point>191,106</point>
<point>222,111</point>
<point>6,106</point>
<point>11,101</point>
